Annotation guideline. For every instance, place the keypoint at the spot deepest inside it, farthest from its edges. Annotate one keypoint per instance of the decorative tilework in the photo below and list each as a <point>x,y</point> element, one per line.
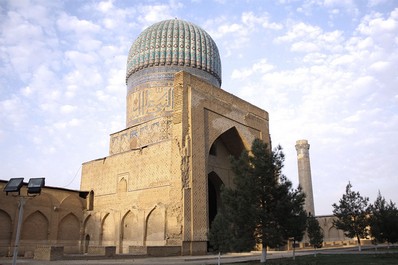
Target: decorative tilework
<point>174,42</point>
<point>141,135</point>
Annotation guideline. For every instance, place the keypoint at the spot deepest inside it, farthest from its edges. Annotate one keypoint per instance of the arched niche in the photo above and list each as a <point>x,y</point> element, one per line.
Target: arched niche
<point>122,185</point>
<point>155,227</point>
<point>132,230</point>
<point>35,227</point>
<point>89,226</point>
<point>69,228</point>
<point>108,228</point>
<point>230,140</point>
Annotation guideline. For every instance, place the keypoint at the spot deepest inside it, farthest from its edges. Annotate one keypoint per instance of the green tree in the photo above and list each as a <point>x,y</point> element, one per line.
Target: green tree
<point>352,215</point>
<point>219,236</point>
<point>315,233</point>
<point>383,221</point>
<point>297,223</point>
<point>263,203</point>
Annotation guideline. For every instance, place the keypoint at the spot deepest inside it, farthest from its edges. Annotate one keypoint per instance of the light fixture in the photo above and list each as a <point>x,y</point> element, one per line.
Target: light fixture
<point>13,185</point>
<point>35,185</point>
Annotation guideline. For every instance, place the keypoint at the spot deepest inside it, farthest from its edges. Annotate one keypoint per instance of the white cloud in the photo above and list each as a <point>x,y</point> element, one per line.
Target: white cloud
<point>308,38</point>
<point>302,46</point>
<point>82,27</point>
<point>250,20</point>
<point>67,109</point>
<point>12,111</point>
<point>261,67</point>
<point>105,6</point>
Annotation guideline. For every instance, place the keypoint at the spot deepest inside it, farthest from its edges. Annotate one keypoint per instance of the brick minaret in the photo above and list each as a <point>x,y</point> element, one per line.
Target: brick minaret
<point>304,172</point>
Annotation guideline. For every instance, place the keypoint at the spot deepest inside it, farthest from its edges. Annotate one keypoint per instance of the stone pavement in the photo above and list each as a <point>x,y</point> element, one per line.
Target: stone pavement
<point>178,260</point>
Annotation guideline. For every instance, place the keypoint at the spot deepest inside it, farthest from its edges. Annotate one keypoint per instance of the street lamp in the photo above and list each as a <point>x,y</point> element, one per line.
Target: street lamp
<point>14,185</point>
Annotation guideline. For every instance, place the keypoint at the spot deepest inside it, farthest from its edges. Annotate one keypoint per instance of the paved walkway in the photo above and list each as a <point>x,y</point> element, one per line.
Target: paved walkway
<point>178,260</point>
<point>194,260</point>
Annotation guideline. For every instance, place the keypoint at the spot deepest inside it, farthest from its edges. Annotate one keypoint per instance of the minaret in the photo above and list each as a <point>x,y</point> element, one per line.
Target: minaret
<point>304,172</point>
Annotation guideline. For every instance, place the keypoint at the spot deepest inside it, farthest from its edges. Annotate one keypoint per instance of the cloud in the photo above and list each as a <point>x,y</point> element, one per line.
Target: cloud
<point>249,19</point>
<point>67,109</point>
<point>105,6</point>
<point>12,110</point>
<point>308,38</point>
<point>261,67</point>
<point>71,24</point>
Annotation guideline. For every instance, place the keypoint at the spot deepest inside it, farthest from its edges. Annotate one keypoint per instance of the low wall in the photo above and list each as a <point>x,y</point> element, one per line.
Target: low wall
<point>49,253</point>
<point>163,251</point>
<point>108,251</point>
<point>137,250</point>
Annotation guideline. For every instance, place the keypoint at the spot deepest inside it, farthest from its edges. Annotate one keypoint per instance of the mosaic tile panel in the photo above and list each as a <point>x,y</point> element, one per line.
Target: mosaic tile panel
<point>135,137</point>
<point>174,42</point>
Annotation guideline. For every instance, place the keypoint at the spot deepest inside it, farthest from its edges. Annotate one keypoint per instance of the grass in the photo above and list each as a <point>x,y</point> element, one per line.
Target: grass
<point>335,259</point>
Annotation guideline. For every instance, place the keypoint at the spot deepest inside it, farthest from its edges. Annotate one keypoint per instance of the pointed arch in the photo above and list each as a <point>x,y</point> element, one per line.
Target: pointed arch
<point>155,226</point>
<point>89,226</point>
<point>122,185</point>
<point>35,227</point>
<point>132,231</point>
<point>69,228</point>
<point>232,140</point>
<point>108,230</point>
<point>226,145</point>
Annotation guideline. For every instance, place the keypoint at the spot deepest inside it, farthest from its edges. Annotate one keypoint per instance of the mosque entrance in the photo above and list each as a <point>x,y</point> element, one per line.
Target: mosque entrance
<point>228,144</point>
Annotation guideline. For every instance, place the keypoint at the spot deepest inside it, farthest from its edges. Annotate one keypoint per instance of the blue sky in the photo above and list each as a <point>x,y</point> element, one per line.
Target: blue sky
<point>325,70</point>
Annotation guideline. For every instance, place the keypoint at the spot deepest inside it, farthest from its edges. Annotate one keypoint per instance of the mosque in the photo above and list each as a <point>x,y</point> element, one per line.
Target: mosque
<point>158,190</point>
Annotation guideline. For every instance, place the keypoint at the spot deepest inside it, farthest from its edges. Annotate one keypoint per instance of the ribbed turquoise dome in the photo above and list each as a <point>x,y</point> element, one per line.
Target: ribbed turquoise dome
<point>176,43</point>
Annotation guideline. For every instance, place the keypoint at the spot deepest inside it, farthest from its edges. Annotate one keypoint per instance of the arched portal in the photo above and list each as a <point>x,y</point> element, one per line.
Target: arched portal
<point>228,144</point>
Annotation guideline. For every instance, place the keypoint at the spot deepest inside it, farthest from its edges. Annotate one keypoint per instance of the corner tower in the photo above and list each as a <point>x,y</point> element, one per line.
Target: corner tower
<point>304,172</point>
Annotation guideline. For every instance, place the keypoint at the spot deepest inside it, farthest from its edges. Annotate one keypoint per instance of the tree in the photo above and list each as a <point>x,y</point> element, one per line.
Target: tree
<point>219,236</point>
<point>261,206</point>
<point>352,215</point>
<point>297,223</point>
<point>383,221</point>
<point>315,233</point>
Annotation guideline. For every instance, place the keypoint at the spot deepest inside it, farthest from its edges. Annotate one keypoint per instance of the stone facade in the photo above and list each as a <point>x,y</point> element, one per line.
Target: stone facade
<point>160,184</point>
<point>52,218</point>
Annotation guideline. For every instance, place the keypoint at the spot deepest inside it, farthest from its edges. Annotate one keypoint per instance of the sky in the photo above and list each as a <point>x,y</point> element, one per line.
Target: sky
<point>325,70</point>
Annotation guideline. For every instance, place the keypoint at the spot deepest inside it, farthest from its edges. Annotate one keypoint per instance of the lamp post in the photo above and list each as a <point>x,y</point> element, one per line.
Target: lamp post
<point>34,188</point>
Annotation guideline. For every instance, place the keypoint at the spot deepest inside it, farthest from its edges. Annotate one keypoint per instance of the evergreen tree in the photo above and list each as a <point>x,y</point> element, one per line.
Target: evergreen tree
<point>377,219</point>
<point>383,221</point>
<point>352,215</point>
<point>261,206</point>
<point>390,224</point>
<point>219,235</point>
<point>315,233</point>
<point>297,223</point>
